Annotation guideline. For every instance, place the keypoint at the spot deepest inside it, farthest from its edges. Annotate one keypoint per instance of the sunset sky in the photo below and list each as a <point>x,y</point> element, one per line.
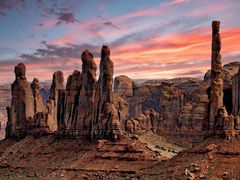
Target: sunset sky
<point>149,39</point>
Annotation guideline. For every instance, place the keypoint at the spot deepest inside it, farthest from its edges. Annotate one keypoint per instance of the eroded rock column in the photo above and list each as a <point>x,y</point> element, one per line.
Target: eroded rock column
<point>21,112</point>
<point>72,90</point>
<point>105,122</point>
<point>38,101</point>
<point>51,106</point>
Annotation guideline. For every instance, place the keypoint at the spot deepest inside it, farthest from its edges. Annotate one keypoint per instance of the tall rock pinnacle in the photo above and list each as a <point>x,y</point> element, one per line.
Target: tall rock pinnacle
<point>105,115</point>
<point>21,112</point>
<point>216,94</point>
<point>57,85</point>
<point>86,94</point>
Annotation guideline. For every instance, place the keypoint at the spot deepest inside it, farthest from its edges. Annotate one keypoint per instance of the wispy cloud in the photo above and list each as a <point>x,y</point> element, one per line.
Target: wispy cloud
<point>174,2</point>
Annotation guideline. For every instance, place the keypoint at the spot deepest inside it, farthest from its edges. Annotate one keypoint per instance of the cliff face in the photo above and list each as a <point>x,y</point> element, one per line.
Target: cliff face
<point>175,109</point>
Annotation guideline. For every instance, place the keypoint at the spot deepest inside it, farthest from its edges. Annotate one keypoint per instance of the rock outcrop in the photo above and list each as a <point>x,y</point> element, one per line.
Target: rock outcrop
<point>227,72</point>
<point>72,87</point>
<point>57,85</point>
<point>85,103</point>
<point>88,108</point>
<point>181,104</point>
<point>38,100</point>
<point>149,120</point>
<point>21,112</point>
<point>216,92</point>
<point>123,86</point>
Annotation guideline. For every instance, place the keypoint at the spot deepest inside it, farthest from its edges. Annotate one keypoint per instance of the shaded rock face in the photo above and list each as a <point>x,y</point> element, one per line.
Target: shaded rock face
<point>86,95</point>
<point>69,100</point>
<point>21,112</point>
<point>38,100</point>
<point>52,104</point>
<point>181,105</point>
<point>236,93</point>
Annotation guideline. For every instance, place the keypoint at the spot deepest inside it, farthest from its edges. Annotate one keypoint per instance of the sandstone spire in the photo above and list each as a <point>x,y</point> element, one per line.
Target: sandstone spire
<point>105,120</point>
<point>21,112</point>
<point>86,94</point>
<point>72,91</point>
<point>38,101</point>
<point>52,104</point>
<point>216,94</point>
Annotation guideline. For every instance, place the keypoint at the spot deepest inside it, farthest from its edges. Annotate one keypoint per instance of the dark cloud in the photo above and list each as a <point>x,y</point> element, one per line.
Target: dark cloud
<point>52,51</point>
<point>106,22</point>
<point>6,5</point>
<point>66,18</point>
<point>110,24</point>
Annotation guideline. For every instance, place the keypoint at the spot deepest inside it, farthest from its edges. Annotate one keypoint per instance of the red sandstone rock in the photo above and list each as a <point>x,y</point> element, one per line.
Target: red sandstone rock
<point>216,94</point>
<point>21,112</point>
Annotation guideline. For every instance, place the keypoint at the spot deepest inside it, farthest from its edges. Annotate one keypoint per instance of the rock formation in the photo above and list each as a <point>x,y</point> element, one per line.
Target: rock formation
<point>123,86</point>
<point>236,93</point>
<point>216,93</point>
<point>57,85</point>
<point>21,112</point>
<point>104,111</point>
<point>149,120</point>
<point>88,108</point>
<point>85,102</point>
<point>38,100</point>
<point>72,87</point>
